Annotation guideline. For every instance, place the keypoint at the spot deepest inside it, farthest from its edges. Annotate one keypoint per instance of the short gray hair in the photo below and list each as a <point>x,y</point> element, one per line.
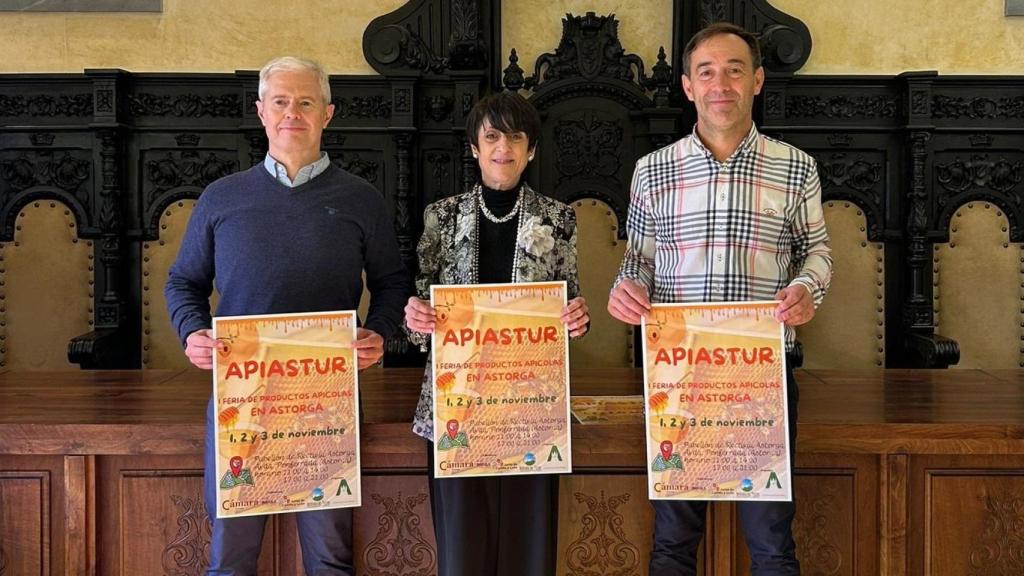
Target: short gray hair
<point>294,64</point>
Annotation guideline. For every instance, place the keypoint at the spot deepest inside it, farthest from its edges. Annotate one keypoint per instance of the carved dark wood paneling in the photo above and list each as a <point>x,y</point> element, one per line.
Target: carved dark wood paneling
<point>978,167</point>
<point>946,141</point>
<point>28,175</point>
<point>907,149</point>
<point>601,112</point>
<point>588,145</point>
<point>977,108</point>
<point>35,105</point>
<point>185,105</point>
<point>859,168</point>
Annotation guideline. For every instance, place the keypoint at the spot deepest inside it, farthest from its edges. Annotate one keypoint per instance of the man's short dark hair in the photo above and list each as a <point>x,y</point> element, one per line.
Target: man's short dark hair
<point>717,29</point>
<point>505,111</point>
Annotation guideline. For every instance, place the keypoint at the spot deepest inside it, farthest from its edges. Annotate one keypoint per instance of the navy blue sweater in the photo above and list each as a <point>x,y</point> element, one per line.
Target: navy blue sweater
<point>272,249</point>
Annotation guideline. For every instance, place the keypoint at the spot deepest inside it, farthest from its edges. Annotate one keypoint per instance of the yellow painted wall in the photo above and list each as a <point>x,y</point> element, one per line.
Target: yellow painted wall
<point>192,36</point>
<point>893,36</point>
<point>856,37</point>
<point>534,27</point>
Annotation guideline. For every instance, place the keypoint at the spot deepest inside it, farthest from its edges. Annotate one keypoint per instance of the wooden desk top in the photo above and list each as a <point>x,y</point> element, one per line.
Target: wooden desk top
<point>162,411</point>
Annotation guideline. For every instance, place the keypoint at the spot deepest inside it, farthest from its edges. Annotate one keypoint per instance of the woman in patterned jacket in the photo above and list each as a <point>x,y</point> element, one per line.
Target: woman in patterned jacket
<point>501,231</point>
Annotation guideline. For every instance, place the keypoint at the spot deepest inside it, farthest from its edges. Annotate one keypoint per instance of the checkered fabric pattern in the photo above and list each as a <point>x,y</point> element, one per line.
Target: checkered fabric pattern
<point>700,230</point>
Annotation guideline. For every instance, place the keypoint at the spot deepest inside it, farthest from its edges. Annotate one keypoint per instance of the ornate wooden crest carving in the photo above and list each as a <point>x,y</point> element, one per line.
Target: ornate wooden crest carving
<point>1000,550</point>
<point>589,48</point>
<point>399,547</point>
<point>602,547</point>
<point>188,554</point>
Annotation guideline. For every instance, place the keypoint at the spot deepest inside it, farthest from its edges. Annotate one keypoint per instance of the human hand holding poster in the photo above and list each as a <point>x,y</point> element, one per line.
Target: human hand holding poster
<point>501,380</point>
<point>286,396</point>
<point>715,395</point>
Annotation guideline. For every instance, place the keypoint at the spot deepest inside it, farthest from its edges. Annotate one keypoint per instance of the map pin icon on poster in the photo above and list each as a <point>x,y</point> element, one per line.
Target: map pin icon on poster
<point>453,428</point>
<point>236,465</point>
<point>666,449</point>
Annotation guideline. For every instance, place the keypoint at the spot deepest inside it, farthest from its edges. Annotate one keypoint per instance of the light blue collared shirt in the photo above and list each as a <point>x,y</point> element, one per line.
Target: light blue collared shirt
<point>305,174</point>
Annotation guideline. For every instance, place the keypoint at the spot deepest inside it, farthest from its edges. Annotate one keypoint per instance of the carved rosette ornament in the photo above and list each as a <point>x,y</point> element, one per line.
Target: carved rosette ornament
<point>373,107</point>
<point>602,548</point>
<point>187,554</point>
<point>187,168</point>
<point>45,169</point>
<point>45,105</point>
<point>840,106</point>
<point>399,548</point>
<point>978,108</point>
<point>587,146</point>
<point>855,173</point>
<point>1000,551</point>
<point>999,175</point>
<point>185,105</point>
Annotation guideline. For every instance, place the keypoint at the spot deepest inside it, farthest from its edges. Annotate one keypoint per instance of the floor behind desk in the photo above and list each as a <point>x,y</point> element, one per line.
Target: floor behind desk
<point>899,472</point>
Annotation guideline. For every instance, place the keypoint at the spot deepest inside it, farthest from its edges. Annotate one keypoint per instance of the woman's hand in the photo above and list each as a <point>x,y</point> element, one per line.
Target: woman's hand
<point>420,316</point>
<point>576,316</point>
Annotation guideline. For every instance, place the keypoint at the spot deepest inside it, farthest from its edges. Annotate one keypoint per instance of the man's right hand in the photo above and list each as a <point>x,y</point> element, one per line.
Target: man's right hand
<point>199,348</point>
<point>629,302</point>
<point>420,316</point>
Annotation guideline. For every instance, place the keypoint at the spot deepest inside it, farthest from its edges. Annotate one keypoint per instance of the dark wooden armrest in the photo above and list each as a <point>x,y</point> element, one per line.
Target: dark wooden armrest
<point>932,350</point>
<point>103,348</point>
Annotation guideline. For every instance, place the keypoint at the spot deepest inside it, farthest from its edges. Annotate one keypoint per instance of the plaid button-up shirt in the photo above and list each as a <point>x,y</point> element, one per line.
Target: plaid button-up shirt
<point>700,230</point>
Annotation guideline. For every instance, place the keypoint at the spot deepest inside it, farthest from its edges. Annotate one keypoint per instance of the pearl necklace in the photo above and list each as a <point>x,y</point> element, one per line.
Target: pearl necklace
<point>489,215</point>
<point>517,211</point>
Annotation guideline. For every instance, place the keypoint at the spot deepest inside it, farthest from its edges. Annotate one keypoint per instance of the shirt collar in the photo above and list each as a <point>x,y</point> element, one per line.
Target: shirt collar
<point>746,145</point>
<point>305,174</point>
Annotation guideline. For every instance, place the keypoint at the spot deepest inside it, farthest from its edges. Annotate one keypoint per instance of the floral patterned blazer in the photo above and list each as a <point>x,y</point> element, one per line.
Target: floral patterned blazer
<point>546,246</point>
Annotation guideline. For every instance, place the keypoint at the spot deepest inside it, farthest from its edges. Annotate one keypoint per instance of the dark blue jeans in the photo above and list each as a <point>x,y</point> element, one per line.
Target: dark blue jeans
<point>324,535</point>
<point>767,526</point>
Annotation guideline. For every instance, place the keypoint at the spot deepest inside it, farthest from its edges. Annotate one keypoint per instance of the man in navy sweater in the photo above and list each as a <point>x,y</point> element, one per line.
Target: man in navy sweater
<point>293,234</point>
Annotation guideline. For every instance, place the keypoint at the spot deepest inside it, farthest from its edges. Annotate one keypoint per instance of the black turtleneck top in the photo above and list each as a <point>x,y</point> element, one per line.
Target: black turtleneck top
<point>497,242</point>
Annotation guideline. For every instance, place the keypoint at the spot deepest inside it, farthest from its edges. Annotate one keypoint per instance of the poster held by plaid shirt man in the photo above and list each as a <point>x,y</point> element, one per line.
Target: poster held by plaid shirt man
<point>725,214</point>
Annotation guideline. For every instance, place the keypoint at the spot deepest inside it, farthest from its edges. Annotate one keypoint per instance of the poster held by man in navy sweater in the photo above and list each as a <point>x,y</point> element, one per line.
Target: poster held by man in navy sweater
<point>294,234</point>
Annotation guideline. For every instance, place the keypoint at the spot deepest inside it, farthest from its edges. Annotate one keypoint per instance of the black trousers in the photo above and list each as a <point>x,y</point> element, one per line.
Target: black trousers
<point>495,525</point>
<point>767,526</point>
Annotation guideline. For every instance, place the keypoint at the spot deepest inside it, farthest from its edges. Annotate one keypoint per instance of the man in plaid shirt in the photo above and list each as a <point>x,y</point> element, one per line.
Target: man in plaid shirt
<point>725,214</point>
